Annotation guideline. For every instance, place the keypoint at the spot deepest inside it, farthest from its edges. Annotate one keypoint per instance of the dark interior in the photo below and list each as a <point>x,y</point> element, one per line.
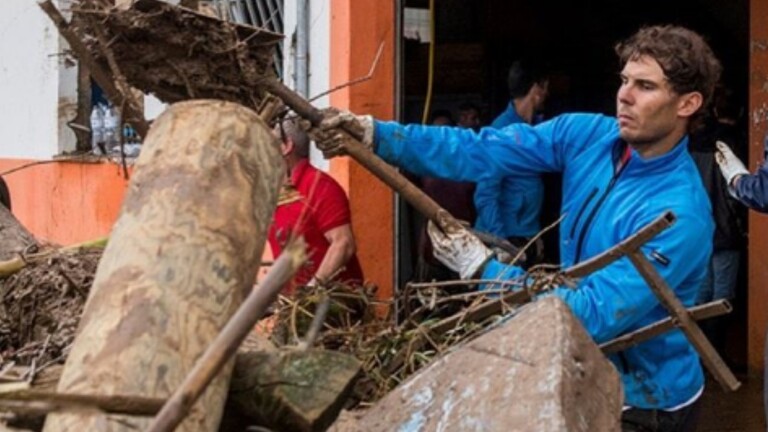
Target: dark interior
<point>477,41</point>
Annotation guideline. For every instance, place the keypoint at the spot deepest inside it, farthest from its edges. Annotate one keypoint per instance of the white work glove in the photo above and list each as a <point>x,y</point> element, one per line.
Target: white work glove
<point>729,164</point>
<point>458,249</point>
<point>332,140</point>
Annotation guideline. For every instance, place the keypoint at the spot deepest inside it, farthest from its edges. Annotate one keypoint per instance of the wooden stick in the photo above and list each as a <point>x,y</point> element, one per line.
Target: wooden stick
<point>476,314</point>
<point>132,113</point>
<point>225,345</point>
<point>698,313</point>
<point>47,402</point>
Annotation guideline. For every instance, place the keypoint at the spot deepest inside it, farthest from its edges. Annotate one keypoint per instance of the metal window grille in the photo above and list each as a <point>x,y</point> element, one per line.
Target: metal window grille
<point>267,14</point>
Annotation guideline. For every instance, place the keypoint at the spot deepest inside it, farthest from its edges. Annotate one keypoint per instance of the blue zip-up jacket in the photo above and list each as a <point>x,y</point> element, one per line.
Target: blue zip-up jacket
<point>509,206</point>
<point>752,189</point>
<point>602,206</point>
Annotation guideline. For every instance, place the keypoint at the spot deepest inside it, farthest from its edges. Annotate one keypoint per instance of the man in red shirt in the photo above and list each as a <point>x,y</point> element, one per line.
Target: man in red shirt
<point>312,205</point>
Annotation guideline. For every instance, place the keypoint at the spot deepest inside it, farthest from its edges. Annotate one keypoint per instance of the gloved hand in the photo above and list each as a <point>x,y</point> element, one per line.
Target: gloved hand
<point>458,249</point>
<point>729,164</point>
<point>332,140</point>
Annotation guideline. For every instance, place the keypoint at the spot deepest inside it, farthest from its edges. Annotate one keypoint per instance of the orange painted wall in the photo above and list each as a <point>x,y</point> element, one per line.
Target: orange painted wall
<point>358,27</point>
<point>65,202</point>
<point>758,223</point>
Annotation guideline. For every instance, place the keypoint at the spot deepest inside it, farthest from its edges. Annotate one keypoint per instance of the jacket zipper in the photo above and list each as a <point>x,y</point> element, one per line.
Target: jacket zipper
<point>581,211</point>
<point>592,214</point>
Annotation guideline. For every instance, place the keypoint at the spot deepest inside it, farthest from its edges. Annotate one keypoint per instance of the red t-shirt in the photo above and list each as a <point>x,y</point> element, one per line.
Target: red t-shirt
<point>321,206</point>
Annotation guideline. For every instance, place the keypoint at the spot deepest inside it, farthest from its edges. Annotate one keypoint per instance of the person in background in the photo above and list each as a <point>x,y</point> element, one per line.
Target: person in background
<point>752,191</point>
<point>510,207</point>
<point>313,205</point>
<point>528,90</point>
<point>469,116</point>
<point>729,217</point>
<point>455,197</point>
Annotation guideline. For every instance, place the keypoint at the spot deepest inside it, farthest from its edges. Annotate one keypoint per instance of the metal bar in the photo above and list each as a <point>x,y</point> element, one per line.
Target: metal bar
<point>667,298</point>
<point>698,313</point>
<point>632,243</point>
<point>263,15</point>
<point>276,9</point>
<point>252,13</point>
<point>237,12</point>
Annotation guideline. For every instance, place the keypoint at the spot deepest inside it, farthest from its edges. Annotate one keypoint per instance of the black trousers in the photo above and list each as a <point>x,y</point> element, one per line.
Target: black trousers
<point>641,420</point>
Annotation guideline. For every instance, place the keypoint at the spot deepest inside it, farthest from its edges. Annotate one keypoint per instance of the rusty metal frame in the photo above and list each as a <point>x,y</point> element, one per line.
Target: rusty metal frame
<point>680,317</point>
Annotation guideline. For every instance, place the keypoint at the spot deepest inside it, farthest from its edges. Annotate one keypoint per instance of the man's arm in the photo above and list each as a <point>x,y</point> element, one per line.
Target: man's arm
<point>749,189</point>
<point>464,155</point>
<point>342,248</point>
<point>614,299</point>
<point>752,189</point>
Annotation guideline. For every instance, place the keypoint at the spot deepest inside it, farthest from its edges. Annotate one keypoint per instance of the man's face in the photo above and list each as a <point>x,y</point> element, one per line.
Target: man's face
<point>646,106</point>
<point>469,118</point>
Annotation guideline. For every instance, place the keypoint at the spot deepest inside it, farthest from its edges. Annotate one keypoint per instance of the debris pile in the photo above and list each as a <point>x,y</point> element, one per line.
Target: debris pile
<point>177,53</point>
<point>40,310</point>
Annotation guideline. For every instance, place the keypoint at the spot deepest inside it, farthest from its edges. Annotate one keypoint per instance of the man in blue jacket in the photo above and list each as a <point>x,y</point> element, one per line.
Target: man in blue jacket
<point>510,206</point>
<point>619,174</point>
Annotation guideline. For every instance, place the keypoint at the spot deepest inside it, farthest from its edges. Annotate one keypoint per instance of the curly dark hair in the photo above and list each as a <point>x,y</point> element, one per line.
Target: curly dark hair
<point>685,57</point>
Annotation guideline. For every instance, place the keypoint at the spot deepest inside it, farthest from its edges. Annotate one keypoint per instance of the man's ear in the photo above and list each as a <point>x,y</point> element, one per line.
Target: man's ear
<point>689,104</point>
<point>287,147</point>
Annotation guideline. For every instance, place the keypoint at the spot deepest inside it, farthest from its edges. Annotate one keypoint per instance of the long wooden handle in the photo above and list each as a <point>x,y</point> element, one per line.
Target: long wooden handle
<point>385,172</point>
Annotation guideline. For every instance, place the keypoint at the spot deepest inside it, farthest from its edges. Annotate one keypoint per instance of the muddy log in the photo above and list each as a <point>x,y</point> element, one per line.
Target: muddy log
<point>181,256</point>
<point>14,238</point>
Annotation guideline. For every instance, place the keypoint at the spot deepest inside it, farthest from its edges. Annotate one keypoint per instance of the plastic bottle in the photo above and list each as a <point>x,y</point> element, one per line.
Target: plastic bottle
<point>97,129</point>
<point>112,129</point>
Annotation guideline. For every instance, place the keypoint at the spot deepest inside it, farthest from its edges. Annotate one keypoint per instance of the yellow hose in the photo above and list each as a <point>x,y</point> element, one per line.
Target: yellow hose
<point>431,66</point>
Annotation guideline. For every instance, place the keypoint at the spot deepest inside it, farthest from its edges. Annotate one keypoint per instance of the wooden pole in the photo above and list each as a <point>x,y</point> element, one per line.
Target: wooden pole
<point>181,257</point>
<point>225,345</point>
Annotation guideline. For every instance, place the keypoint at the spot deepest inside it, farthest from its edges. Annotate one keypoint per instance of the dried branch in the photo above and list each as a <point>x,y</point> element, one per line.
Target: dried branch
<point>354,81</point>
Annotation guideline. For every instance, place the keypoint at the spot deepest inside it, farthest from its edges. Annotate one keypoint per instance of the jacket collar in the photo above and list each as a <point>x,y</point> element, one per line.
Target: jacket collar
<point>638,166</point>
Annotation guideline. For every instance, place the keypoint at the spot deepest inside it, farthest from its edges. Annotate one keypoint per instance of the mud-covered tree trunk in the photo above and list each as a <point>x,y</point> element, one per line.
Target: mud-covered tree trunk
<point>182,254</point>
<point>14,238</point>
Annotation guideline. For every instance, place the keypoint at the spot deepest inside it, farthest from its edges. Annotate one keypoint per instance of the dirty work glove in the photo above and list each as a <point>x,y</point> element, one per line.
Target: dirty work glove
<point>458,249</point>
<point>332,140</point>
<point>729,164</point>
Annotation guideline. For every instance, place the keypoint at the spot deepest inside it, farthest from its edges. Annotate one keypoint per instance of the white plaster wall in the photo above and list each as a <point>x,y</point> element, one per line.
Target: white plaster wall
<point>319,55</point>
<point>33,80</point>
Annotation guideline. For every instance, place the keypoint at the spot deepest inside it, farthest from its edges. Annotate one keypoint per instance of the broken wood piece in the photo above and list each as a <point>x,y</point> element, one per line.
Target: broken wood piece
<point>225,345</point>
<point>538,371</point>
<point>42,402</point>
<point>182,256</point>
<point>698,313</point>
<point>18,262</point>
<point>292,389</point>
